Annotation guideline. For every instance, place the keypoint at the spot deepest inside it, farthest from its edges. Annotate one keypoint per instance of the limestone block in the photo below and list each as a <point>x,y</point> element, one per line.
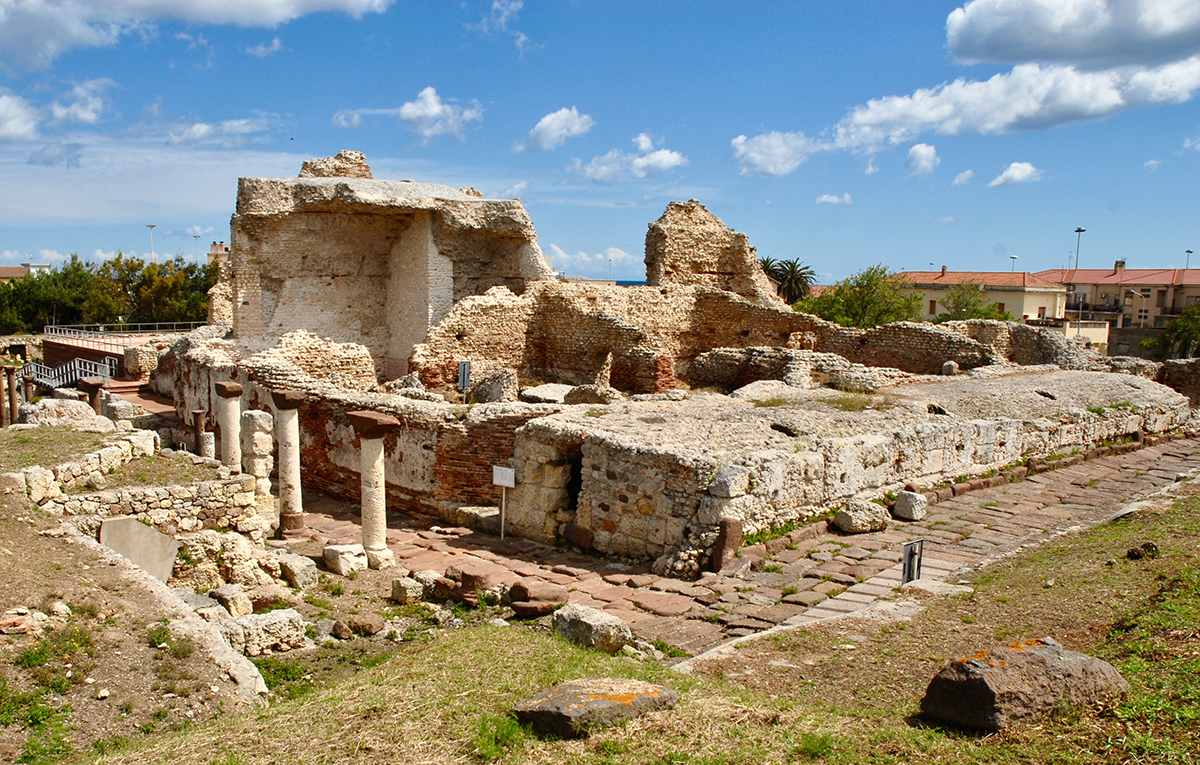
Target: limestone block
<point>407,590</point>
<point>575,708</point>
<point>380,559</point>
<point>345,559</point>
<point>910,506</point>
<point>40,484</point>
<point>234,599</point>
<point>730,481</point>
<point>592,394</point>
<point>151,550</point>
<point>299,571</point>
<point>549,393</point>
<point>272,632</point>
<point>592,628</point>
<point>860,516</point>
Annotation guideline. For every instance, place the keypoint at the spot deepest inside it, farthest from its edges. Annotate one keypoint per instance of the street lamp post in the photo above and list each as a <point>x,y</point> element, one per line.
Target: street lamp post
<point>153,255</point>
<point>1078,302</point>
<point>1012,263</point>
<point>1188,262</point>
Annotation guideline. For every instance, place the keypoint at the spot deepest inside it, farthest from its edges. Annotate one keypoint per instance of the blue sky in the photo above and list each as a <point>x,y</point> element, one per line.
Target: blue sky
<point>828,132</point>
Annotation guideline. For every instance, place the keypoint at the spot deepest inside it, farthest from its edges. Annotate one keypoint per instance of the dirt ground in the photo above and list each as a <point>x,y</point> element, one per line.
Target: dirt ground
<point>54,681</point>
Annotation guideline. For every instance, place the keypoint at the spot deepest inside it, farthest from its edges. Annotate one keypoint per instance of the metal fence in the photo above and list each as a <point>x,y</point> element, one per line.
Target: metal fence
<point>100,336</point>
<point>68,373</point>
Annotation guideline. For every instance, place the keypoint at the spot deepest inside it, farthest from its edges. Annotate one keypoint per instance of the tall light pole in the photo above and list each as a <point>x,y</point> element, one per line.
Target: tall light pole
<point>1012,263</point>
<point>1078,302</point>
<point>1187,263</point>
<point>153,255</point>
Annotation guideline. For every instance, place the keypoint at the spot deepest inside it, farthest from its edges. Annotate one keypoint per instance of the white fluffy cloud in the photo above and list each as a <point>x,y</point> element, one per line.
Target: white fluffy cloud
<point>85,104</point>
<point>1188,143</point>
<point>615,164</point>
<point>35,32</point>
<point>225,133</point>
<point>774,153</point>
<point>871,167</point>
<point>553,130</point>
<point>923,159</point>
<point>602,263</point>
<point>18,119</point>
<point>1016,172</point>
<point>428,115</point>
<point>262,50</point>
<point>1152,164</point>
<point>964,177</point>
<point>1089,33</point>
<point>835,199</point>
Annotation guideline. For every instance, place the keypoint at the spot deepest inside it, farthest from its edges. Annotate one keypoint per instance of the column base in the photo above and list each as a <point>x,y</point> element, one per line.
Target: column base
<point>292,524</point>
<point>379,559</point>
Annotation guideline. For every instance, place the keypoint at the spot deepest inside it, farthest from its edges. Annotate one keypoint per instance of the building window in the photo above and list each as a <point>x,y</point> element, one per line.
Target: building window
<point>1143,314</point>
<point>1041,311</point>
<point>1145,291</point>
<point>932,307</point>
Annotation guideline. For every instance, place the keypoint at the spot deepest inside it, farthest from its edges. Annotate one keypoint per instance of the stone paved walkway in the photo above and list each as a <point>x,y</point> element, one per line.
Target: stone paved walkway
<point>809,575</point>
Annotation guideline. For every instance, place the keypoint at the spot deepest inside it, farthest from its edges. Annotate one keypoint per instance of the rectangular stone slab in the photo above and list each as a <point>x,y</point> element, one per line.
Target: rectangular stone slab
<point>148,548</point>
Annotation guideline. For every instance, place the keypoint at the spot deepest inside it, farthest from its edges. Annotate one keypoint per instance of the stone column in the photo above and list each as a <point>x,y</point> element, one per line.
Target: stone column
<point>3,407</point>
<point>258,446</point>
<point>92,387</point>
<point>29,389</point>
<point>198,431</point>
<point>371,428</point>
<point>11,374</point>
<point>229,405</point>
<point>287,433</point>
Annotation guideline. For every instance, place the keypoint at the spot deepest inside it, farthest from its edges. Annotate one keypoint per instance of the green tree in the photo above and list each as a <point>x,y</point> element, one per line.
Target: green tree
<point>768,265</point>
<point>867,299</point>
<point>969,301</point>
<point>1181,340</point>
<point>794,279</point>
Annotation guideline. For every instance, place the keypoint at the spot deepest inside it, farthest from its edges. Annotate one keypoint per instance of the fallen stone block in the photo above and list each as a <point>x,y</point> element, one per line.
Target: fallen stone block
<point>910,506</point>
<point>234,599</point>
<point>299,571</point>
<point>345,559</point>
<point>407,590</point>
<point>591,628</point>
<point>531,598</point>
<point>549,393</point>
<point>272,632</point>
<point>996,688</point>
<point>575,708</point>
<point>592,394</point>
<point>148,548</point>
<point>860,516</point>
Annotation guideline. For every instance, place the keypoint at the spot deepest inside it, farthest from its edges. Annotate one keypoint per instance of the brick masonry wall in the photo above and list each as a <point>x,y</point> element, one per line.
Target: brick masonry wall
<point>1184,376</point>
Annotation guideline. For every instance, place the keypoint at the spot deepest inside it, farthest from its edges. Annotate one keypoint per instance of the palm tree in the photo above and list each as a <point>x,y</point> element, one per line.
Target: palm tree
<point>794,279</point>
<point>769,266</point>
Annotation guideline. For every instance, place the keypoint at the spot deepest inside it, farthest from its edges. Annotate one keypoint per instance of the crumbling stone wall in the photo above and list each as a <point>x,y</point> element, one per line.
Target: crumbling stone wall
<point>688,245</point>
<point>1184,376</point>
<point>730,368</point>
<point>374,262</point>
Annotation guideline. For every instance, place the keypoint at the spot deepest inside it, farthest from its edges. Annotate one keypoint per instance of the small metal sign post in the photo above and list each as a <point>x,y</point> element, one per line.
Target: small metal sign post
<point>505,478</point>
<point>464,376</point>
<point>913,552</point>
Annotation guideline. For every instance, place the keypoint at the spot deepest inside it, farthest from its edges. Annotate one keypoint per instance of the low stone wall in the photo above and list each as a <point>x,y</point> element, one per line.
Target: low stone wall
<point>43,484</point>
<point>226,505</point>
<point>730,368</point>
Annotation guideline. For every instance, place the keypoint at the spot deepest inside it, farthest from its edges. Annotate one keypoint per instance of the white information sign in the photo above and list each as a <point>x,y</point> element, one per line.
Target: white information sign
<point>504,476</point>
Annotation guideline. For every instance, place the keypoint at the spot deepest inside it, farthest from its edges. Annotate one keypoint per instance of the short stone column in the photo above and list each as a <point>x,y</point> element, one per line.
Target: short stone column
<point>287,434</point>
<point>29,388</point>
<point>198,424</point>
<point>11,374</point>
<point>371,428</point>
<point>258,449</point>
<point>92,387</point>
<point>3,407</point>
<point>229,406</point>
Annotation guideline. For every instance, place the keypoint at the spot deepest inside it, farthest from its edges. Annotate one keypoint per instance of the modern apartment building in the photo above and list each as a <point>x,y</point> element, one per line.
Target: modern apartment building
<point>1020,294</point>
<point>1127,297</point>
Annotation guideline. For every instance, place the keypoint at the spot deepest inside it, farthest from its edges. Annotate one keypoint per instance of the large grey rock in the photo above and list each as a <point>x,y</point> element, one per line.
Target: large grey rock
<point>272,632</point>
<point>549,393</point>
<point>57,412</point>
<point>860,516</point>
<point>991,690</point>
<point>345,559</point>
<point>153,551</point>
<point>298,570</point>
<point>575,708</point>
<point>910,506</point>
<point>591,627</point>
<point>40,484</point>
<point>592,394</point>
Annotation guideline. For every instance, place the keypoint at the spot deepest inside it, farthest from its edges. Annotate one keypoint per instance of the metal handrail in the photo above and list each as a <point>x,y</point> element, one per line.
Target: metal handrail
<point>68,372</point>
<point>122,328</point>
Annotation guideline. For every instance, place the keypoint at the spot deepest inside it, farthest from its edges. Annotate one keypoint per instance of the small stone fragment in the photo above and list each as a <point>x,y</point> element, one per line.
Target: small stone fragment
<point>860,516</point>
<point>910,506</point>
<point>573,709</point>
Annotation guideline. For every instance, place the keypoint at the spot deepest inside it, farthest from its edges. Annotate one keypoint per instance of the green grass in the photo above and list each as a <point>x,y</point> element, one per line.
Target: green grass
<point>156,470</point>
<point>772,401</point>
<point>57,645</point>
<point>497,736</point>
<point>20,449</point>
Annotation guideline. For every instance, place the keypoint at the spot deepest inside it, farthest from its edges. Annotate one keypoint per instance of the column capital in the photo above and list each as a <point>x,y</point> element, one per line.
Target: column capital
<point>228,389</point>
<point>369,424</point>
<point>287,399</point>
<point>90,384</point>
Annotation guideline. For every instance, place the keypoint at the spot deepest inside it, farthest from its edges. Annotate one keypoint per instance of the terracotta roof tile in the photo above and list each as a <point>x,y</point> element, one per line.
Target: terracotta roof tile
<point>1018,279</point>
<point>1147,276</point>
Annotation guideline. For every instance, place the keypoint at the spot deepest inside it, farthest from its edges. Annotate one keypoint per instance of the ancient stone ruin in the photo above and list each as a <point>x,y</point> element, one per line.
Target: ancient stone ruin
<point>659,423</point>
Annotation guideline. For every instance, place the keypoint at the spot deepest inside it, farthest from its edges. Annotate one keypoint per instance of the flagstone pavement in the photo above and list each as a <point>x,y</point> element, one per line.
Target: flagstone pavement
<point>810,574</point>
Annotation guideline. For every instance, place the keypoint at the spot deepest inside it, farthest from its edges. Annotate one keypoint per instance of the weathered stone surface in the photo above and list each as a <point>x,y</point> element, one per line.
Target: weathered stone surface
<point>299,571</point>
<point>345,559</point>
<point>950,368</point>
<point>151,550</point>
<point>347,163</point>
<point>549,393</point>
<point>56,412</point>
<point>234,599</point>
<point>688,245</point>
<point>272,632</point>
<point>592,628</point>
<point>996,688</point>
<point>531,598</point>
<point>910,506</point>
<point>573,709</point>
<point>592,394</point>
<point>407,590</point>
<point>493,385</point>
<point>860,516</point>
